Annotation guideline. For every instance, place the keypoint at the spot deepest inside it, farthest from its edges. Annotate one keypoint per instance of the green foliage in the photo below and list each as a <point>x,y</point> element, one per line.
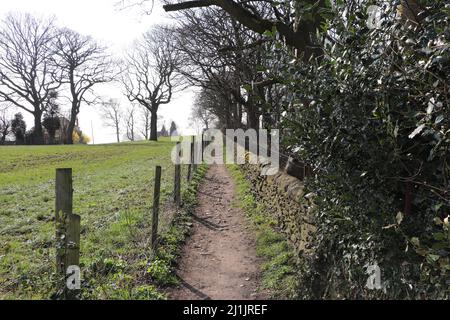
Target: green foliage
<point>148,292</point>
<point>19,128</point>
<point>373,120</point>
<point>436,265</point>
<point>161,273</point>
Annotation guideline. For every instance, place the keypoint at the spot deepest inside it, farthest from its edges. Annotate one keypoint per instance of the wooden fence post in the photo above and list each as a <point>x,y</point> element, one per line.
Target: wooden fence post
<point>177,181</point>
<point>73,256</point>
<point>203,145</point>
<point>194,154</point>
<point>67,231</point>
<point>191,162</point>
<point>156,194</point>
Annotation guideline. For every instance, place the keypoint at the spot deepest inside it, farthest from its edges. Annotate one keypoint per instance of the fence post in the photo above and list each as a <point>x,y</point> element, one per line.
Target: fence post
<point>67,231</point>
<point>194,154</point>
<point>203,144</point>
<point>73,256</point>
<point>191,162</point>
<point>156,193</point>
<point>177,182</point>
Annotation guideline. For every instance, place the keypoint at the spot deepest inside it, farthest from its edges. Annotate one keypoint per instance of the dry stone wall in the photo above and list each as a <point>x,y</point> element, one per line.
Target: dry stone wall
<point>284,197</point>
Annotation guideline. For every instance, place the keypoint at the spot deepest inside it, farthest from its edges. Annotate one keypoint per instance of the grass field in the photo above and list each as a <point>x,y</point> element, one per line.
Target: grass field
<point>113,187</point>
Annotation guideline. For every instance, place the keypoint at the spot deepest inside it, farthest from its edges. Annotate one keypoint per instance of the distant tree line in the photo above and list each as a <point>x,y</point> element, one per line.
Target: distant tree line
<point>40,61</point>
<point>14,130</point>
<point>132,123</point>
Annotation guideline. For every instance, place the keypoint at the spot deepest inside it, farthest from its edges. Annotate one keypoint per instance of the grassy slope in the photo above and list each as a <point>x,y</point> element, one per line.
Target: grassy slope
<point>113,195</point>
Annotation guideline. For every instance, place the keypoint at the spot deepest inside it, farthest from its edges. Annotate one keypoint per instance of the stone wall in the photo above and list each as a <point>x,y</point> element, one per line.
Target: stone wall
<point>285,198</point>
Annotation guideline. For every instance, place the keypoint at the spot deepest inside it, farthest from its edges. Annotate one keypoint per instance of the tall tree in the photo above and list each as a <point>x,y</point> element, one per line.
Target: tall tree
<point>19,128</point>
<point>150,77</point>
<point>27,75</point>
<point>51,117</point>
<point>5,126</point>
<point>85,63</point>
<point>222,56</point>
<point>297,22</point>
<point>144,127</point>
<point>130,123</point>
<point>201,110</point>
<point>173,128</point>
<point>164,132</point>
<point>112,116</point>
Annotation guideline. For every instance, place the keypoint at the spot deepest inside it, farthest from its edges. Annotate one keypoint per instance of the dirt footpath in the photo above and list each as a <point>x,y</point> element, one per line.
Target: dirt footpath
<point>219,259</point>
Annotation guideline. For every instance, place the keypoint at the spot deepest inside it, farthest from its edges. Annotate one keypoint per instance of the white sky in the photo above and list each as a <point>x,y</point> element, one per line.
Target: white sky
<point>117,29</point>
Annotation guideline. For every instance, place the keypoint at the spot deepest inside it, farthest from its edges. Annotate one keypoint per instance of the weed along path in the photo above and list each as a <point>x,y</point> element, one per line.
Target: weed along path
<point>219,259</point>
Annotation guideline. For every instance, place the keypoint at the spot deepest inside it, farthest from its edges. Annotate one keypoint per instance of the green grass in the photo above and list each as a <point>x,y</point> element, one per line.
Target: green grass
<point>279,275</point>
<point>113,187</point>
<point>162,268</point>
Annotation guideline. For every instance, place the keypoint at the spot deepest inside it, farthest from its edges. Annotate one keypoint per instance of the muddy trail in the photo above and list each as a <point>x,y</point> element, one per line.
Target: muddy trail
<point>219,259</point>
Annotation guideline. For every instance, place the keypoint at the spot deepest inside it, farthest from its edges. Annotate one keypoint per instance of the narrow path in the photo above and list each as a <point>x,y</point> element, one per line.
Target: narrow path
<point>219,259</point>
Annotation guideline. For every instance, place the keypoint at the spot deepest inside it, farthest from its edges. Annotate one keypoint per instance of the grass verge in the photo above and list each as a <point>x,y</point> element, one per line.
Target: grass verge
<point>162,268</point>
<point>279,276</point>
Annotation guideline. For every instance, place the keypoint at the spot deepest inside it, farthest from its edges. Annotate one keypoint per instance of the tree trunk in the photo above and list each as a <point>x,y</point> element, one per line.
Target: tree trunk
<point>71,126</point>
<point>228,120</point>
<point>253,118</point>
<point>51,138</point>
<point>238,119</point>
<point>118,133</point>
<point>38,133</point>
<point>154,126</point>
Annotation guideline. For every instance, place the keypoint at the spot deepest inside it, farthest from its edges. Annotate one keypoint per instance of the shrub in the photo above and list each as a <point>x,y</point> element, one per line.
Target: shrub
<point>372,118</point>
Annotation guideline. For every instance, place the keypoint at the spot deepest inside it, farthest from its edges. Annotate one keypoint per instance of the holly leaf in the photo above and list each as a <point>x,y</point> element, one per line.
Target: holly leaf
<point>399,217</point>
<point>416,131</point>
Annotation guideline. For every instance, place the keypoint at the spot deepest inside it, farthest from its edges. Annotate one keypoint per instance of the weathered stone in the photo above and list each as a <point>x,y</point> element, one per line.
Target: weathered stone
<point>284,198</point>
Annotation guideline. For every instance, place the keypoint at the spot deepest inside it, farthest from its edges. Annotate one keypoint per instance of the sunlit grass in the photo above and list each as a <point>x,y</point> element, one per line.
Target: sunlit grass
<point>113,187</point>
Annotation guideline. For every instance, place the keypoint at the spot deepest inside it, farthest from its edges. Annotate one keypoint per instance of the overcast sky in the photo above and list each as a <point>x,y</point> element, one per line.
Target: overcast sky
<point>116,28</point>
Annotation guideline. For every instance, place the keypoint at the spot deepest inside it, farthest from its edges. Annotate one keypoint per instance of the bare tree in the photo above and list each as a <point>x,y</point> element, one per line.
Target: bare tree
<point>27,76</point>
<point>222,56</point>
<point>130,123</point>
<point>112,116</point>
<point>5,125</point>
<point>85,64</point>
<point>145,117</point>
<point>146,6</point>
<point>150,78</point>
<point>52,121</point>
<point>201,111</point>
<point>298,30</point>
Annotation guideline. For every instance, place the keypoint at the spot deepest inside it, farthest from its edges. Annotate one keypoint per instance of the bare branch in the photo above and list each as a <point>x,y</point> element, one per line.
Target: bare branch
<point>151,78</point>
<point>26,74</point>
<point>84,64</point>
<point>112,116</point>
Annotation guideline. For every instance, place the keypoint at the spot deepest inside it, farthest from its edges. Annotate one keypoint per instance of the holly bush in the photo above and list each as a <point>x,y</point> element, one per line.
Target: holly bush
<point>372,118</point>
